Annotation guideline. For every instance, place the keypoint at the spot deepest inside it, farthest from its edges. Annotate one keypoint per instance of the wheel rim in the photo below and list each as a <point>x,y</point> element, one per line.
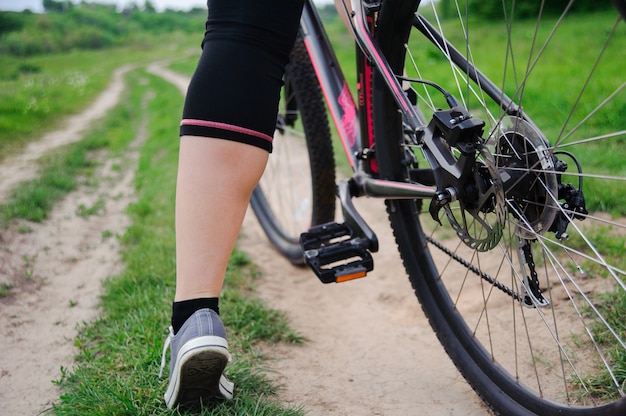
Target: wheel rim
<point>286,182</point>
<point>547,315</point>
<point>297,187</point>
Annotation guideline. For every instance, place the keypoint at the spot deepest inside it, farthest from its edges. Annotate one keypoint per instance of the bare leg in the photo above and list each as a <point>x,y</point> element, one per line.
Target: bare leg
<point>226,130</point>
<point>215,181</point>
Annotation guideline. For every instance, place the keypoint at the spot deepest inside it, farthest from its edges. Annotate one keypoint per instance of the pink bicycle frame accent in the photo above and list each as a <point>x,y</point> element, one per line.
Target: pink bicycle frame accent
<point>341,105</point>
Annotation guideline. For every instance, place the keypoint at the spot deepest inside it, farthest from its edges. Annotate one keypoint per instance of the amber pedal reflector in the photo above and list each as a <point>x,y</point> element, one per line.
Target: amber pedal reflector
<point>352,276</point>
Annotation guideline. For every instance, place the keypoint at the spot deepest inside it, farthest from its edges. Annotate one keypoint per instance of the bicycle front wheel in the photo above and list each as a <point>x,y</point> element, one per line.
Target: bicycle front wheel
<point>297,189</point>
<point>536,323</point>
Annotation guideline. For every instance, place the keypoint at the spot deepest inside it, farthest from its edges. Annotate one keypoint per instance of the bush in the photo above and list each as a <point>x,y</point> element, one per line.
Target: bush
<point>20,44</point>
<point>522,9</point>
<point>10,22</point>
<point>89,38</point>
<point>68,26</point>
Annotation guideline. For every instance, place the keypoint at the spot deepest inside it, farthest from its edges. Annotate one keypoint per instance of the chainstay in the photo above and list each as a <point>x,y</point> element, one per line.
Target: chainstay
<point>492,281</point>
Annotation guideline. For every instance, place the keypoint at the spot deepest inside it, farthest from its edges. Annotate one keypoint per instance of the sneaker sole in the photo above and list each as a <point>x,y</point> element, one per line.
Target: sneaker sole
<point>197,376</point>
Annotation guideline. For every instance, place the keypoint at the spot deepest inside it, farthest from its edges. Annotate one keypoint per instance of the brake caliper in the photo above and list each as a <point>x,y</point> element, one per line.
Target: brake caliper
<point>573,207</point>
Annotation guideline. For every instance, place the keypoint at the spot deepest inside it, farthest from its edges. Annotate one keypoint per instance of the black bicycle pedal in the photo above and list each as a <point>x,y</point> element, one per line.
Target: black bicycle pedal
<point>335,254</point>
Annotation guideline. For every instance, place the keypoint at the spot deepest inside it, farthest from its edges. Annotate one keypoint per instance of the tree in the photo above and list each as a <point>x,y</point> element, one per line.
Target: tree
<point>57,6</point>
<point>521,9</point>
<point>10,21</point>
<point>129,9</point>
<point>148,7</point>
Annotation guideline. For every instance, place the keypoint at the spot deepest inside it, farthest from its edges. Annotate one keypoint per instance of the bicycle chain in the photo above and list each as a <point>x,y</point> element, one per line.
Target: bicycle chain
<point>475,269</point>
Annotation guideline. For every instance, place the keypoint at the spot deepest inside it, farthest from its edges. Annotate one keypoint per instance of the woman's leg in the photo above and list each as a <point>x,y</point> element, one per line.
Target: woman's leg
<point>215,181</point>
<point>226,133</point>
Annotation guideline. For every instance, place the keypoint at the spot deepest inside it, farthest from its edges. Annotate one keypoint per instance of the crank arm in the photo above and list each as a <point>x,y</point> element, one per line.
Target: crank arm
<point>352,216</point>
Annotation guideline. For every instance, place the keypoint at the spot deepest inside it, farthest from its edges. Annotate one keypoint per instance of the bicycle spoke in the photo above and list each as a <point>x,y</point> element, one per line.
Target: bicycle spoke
<point>559,137</point>
<point>534,316</point>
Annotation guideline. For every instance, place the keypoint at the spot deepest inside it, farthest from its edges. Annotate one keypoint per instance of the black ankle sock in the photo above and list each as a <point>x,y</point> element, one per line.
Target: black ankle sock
<point>181,311</point>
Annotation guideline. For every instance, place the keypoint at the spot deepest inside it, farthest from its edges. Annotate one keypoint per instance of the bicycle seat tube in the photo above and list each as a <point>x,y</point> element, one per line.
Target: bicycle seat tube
<point>336,91</point>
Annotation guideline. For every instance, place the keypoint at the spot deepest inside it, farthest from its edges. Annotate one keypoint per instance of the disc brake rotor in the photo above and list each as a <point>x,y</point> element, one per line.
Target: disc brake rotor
<point>478,218</point>
<point>527,172</point>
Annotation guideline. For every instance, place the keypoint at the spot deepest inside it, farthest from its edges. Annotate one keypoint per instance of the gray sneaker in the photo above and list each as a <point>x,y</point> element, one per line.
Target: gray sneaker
<point>199,354</point>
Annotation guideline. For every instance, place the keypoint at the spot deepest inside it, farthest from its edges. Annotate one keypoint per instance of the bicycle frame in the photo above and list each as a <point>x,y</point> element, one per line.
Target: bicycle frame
<point>353,121</point>
<point>501,213</point>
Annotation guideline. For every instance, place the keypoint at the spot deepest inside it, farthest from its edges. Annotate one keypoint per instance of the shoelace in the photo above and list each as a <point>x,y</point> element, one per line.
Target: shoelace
<point>166,345</point>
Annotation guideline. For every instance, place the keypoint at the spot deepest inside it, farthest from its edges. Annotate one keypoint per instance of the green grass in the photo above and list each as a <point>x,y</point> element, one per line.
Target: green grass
<point>5,288</point>
<point>611,305</point>
<point>120,352</point>
<point>548,97</point>
<point>553,86</point>
<point>64,169</point>
<point>37,93</point>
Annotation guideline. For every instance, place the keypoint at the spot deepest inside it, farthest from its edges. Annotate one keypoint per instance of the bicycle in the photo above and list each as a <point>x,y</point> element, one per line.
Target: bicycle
<point>517,267</point>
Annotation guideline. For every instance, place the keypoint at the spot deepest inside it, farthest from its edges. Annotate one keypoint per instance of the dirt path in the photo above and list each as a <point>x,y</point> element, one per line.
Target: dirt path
<point>371,351</point>
<point>54,269</point>
<point>20,167</point>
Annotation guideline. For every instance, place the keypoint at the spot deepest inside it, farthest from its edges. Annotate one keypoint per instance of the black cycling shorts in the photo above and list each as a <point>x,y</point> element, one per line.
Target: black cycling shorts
<point>235,89</point>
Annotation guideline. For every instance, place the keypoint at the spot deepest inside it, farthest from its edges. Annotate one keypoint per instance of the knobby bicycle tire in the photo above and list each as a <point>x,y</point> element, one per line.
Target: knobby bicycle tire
<point>510,379</point>
<point>297,190</point>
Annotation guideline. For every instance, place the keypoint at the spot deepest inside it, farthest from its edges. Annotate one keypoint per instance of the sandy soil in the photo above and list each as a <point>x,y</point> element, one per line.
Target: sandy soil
<point>371,351</point>
<point>54,269</point>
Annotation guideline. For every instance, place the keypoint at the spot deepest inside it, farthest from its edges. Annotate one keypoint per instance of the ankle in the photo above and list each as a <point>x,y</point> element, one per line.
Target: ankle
<point>182,310</point>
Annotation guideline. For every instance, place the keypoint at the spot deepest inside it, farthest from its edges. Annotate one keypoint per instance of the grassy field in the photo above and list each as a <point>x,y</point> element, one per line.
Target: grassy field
<point>120,352</point>
<point>557,78</point>
<point>36,92</point>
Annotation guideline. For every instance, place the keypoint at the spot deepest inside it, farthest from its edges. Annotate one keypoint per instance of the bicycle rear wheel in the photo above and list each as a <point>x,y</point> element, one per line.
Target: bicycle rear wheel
<point>297,189</point>
<point>535,324</point>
